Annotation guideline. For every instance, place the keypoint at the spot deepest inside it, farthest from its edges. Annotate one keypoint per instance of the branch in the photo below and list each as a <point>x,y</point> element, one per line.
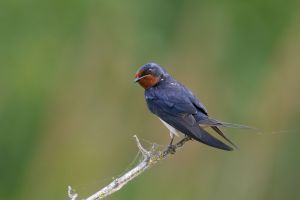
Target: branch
<point>150,158</point>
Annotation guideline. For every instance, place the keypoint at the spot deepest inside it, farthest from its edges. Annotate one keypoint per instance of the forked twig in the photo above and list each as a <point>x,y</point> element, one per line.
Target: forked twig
<point>150,158</point>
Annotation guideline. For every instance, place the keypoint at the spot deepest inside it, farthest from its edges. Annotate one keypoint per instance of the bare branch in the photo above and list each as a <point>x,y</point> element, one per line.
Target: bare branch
<point>150,159</point>
<point>141,148</point>
<point>71,194</point>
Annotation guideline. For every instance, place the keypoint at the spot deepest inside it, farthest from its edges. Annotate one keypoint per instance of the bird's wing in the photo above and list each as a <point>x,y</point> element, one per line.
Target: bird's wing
<point>215,128</point>
<point>187,125</point>
<point>199,106</point>
<point>202,119</point>
<point>175,107</point>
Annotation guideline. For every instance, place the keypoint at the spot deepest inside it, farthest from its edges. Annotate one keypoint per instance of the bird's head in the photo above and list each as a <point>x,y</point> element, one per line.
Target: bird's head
<point>149,75</point>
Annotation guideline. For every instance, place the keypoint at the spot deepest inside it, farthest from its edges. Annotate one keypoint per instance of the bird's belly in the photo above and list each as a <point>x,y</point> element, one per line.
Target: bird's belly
<point>173,131</point>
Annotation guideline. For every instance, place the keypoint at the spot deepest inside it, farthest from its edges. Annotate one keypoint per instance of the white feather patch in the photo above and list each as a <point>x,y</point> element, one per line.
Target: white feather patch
<point>173,131</point>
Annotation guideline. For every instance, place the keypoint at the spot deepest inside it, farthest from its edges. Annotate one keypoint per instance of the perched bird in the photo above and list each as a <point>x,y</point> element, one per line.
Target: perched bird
<point>178,109</point>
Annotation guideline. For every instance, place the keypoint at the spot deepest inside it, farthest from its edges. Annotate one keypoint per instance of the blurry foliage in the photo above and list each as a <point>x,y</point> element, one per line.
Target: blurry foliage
<point>69,108</point>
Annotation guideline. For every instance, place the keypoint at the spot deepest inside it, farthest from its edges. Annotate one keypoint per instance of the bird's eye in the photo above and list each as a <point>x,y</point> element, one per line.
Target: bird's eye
<point>147,71</point>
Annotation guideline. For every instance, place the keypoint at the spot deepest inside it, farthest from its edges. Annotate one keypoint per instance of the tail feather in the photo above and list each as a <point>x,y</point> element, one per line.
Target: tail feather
<point>222,134</point>
<point>213,122</point>
<point>203,136</point>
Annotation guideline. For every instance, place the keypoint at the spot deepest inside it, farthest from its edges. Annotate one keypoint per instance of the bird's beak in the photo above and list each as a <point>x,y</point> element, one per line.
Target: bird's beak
<point>139,78</point>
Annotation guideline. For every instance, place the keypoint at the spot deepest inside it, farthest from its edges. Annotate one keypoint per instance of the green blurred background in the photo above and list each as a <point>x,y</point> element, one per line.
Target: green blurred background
<point>69,107</point>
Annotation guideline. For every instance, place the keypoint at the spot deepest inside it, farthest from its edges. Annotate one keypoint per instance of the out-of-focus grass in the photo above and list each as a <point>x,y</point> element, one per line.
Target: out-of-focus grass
<point>69,108</point>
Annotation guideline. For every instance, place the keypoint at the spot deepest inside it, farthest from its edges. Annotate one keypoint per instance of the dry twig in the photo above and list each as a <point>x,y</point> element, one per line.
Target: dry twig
<point>150,158</point>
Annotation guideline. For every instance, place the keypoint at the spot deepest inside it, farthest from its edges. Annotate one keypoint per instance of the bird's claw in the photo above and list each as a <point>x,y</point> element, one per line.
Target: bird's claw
<point>172,148</point>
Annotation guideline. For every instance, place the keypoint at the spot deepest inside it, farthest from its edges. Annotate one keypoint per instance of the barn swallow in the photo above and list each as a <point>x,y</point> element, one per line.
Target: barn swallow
<point>178,109</point>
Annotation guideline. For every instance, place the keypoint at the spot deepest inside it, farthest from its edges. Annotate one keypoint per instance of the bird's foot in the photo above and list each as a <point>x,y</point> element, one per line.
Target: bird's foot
<point>172,148</point>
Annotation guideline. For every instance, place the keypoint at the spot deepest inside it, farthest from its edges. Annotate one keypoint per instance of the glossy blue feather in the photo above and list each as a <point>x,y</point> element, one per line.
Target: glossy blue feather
<point>176,105</point>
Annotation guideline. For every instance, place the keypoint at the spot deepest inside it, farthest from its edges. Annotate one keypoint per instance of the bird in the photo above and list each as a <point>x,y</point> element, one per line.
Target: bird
<point>179,109</point>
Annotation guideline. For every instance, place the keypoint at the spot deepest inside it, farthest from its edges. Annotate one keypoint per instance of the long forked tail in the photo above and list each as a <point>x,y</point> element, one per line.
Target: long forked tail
<point>222,134</point>
<point>203,136</point>
<point>214,122</point>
